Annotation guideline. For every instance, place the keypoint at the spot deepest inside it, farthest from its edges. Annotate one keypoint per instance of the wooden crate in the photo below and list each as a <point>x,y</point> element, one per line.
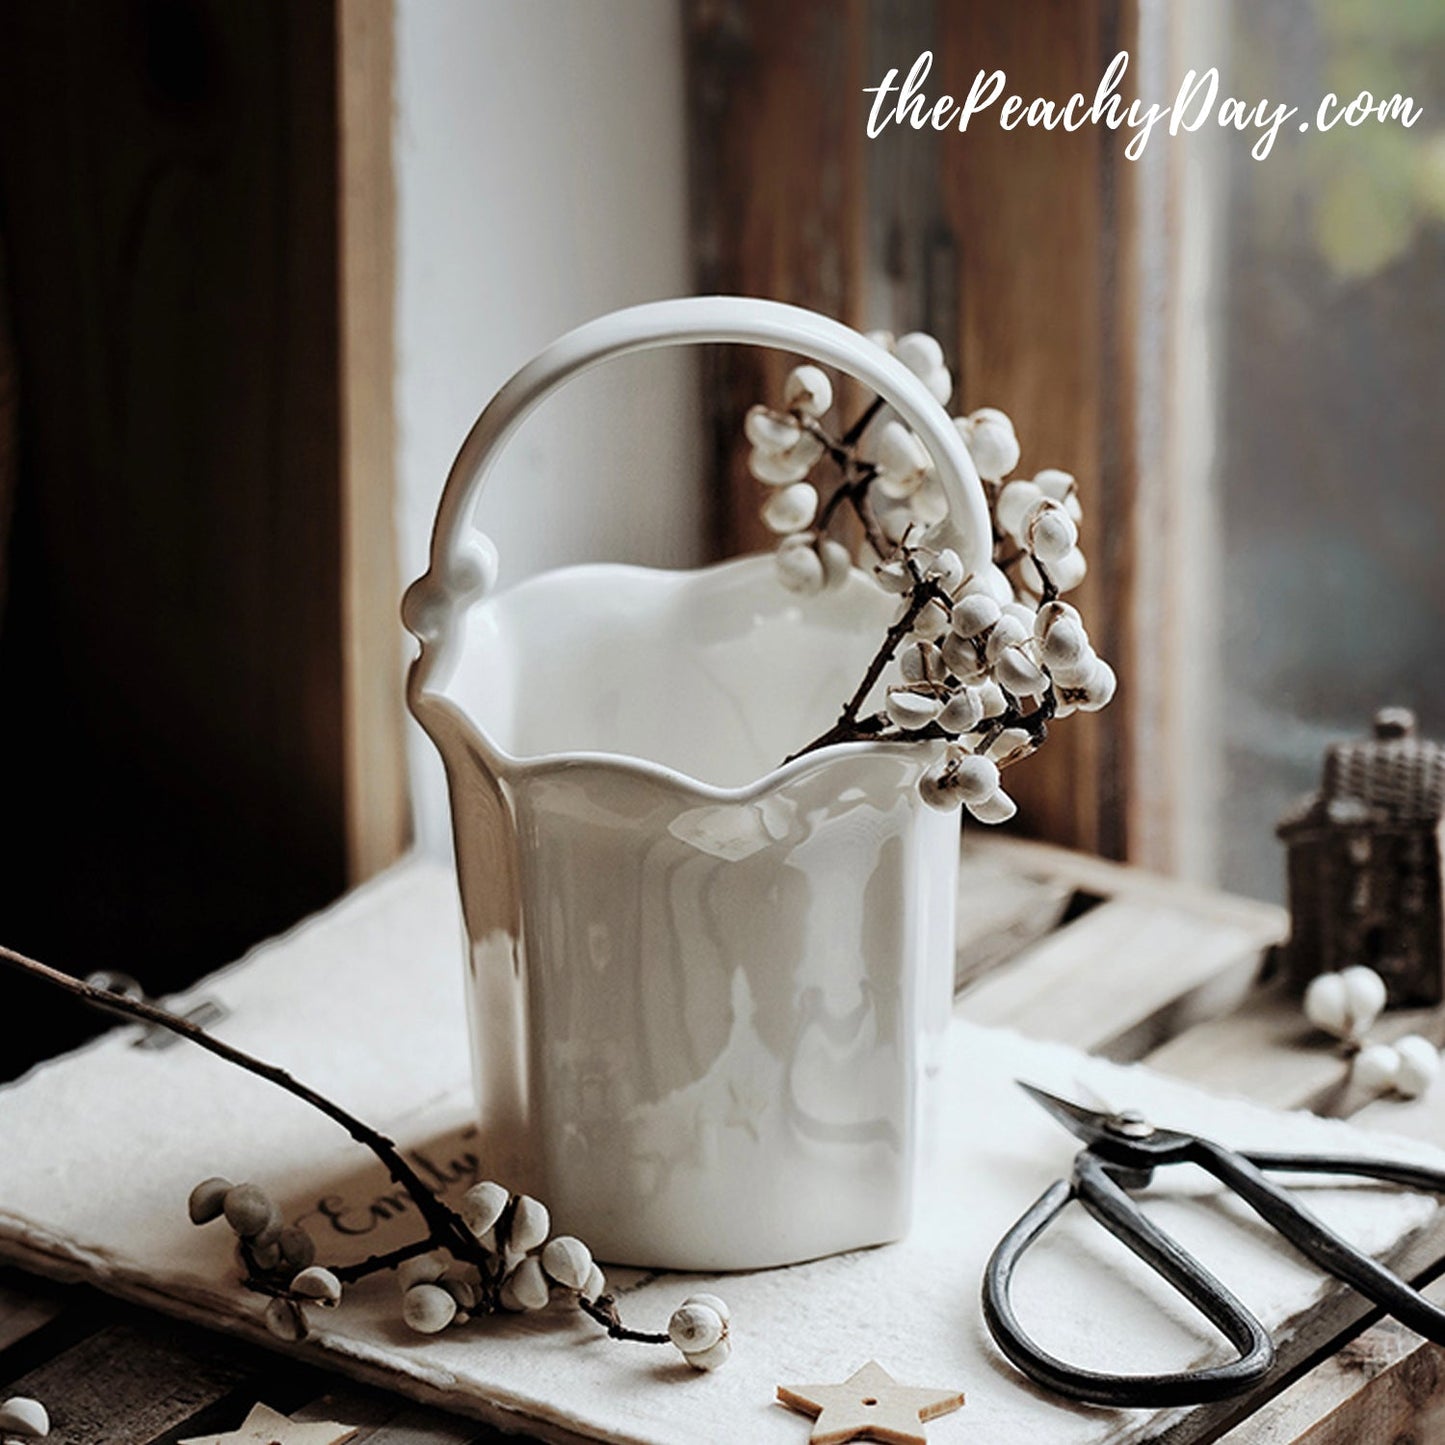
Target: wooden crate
<point>1053,944</point>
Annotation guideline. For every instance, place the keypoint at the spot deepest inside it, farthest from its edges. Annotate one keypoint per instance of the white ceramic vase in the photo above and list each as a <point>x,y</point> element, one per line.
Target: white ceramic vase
<point>707,989</point>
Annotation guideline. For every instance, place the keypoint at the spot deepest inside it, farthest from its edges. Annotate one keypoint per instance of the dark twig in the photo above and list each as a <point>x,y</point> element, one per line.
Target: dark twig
<point>374,1264</point>
<point>604,1310</point>
<point>448,1229</point>
<point>447,1226</point>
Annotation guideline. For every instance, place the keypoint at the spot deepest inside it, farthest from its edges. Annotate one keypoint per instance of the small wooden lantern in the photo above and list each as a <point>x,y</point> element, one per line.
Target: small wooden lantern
<point>1365,864</point>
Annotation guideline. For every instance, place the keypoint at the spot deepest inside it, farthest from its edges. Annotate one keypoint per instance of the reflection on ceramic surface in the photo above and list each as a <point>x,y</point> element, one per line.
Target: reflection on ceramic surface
<point>708,988</point>
<point>708,1013</point>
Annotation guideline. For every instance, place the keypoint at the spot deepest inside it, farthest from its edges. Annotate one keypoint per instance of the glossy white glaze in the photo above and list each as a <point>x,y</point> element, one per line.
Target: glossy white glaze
<point>707,989</point>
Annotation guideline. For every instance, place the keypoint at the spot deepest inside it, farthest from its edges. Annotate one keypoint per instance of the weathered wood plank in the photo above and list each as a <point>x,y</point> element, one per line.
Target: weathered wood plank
<point>1268,1050</point>
<point>1045,330</point>
<point>389,1420</point>
<point>1105,879</point>
<point>776,130</point>
<point>1384,1385</point>
<point>1001,911</point>
<point>377,810</point>
<point>26,1307</point>
<point>128,1384</point>
<point>1107,981</point>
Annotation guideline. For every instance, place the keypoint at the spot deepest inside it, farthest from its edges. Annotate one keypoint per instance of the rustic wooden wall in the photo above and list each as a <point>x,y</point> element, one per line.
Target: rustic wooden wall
<point>1014,248</point>
<point>171,752</point>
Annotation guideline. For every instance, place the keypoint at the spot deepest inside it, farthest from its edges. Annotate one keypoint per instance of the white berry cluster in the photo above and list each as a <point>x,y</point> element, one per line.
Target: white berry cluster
<point>515,1263</point>
<point>513,1231</point>
<point>1346,1005</point>
<point>983,662</point>
<point>278,1257</point>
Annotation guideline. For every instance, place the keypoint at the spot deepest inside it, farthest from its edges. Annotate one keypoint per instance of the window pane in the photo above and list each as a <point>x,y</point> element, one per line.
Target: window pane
<point>1330,407</point>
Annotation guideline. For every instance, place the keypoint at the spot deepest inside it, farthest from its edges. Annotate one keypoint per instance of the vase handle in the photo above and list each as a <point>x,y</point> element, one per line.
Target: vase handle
<point>463,561</point>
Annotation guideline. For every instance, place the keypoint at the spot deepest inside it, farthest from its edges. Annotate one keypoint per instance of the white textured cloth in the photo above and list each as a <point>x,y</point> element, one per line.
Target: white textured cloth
<point>102,1147</point>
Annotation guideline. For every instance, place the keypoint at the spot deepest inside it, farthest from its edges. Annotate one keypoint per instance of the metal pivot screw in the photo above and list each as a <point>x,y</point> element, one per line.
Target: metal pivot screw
<point>1130,1125</point>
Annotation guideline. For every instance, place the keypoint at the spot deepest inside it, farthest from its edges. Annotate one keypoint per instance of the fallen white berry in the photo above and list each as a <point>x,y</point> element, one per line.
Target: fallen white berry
<point>713,1303</point>
<point>464,1283</point>
<point>1345,1004</point>
<point>1376,1068</point>
<point>297,1247</point>
<point>1418,1065</point>
<point>25,1418</point>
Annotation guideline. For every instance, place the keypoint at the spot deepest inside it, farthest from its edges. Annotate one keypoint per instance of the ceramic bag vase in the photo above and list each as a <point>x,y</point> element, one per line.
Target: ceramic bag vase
<point>707,989</point>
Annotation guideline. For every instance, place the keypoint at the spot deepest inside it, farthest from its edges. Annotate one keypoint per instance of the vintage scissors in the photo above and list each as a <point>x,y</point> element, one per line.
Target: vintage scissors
<point>1120,1153</point>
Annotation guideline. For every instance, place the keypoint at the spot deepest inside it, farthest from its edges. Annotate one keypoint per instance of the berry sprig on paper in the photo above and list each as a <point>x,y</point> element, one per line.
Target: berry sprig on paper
<point>515,1264</point>
<point>980,662</point>
<point>492,1254</point>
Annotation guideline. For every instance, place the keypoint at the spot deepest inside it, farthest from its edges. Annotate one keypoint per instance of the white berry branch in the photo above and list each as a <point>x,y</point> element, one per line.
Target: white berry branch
<point>494,1252</point>
<point>981,662</point>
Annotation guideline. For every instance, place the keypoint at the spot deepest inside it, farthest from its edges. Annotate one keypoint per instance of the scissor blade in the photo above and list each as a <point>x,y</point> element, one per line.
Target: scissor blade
<point>1085,1124</point>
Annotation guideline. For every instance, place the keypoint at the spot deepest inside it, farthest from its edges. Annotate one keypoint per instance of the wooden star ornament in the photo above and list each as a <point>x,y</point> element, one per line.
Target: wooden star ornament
<point>264,1426</point>
<point>869,1405</point>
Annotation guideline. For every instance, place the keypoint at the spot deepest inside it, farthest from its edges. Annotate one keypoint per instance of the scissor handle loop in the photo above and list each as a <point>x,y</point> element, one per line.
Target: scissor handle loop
<point>1093,1187</point>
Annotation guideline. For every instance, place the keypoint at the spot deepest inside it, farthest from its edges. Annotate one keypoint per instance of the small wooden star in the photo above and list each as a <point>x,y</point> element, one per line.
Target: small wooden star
<point>263,1426</point>
<point>869,1405</point>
